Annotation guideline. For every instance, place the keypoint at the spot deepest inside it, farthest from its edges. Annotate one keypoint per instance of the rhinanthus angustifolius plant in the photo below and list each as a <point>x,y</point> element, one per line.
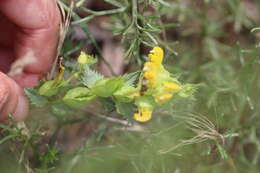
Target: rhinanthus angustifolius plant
<point>160,86</point>
<point>141,91</point>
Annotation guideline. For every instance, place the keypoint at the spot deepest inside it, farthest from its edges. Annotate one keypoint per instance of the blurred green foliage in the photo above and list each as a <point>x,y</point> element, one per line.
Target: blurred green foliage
<point>208,42</point>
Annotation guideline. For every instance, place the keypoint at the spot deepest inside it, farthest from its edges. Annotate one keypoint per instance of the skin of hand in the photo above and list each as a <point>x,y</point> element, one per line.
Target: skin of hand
<point>26,27</point>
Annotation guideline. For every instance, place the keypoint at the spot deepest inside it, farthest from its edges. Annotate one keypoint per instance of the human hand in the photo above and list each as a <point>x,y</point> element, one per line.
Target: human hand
<point>28,29</point>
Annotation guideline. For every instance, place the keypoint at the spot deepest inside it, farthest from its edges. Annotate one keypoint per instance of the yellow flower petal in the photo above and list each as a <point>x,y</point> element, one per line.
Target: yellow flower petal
<point>171,86</point>
<point>163,98</point>
<point>156,55</point>
<point>149,66</point>
<point>143,115</point>
<point>82,59</point>
<point>151,77</point>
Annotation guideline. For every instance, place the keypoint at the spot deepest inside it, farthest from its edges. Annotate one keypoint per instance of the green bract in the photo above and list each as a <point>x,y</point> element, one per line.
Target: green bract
<point>50,88</point>
<point>163,75</point>
<point>145,102</point>
<point>107,87</point>
<point>187,90</point>
<point>126,93</point>
<point>78,97</point>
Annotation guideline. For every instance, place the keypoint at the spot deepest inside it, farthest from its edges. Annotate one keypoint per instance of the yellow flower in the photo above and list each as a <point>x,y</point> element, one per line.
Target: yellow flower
<point>82,59</point>
<point>143,115</point>
<point>171,86</point>
<point>151,77</point>
<point>151,72</point>
<point>163,98</point>
<point>156,55</point>
<point>150,66</point>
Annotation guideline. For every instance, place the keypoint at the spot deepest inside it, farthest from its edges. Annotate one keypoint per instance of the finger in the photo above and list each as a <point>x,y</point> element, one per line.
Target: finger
<point>38,22</point>
<point>27,80</point>
<point>6,32</point>
<point>6,59</point>
<point>12,100</point>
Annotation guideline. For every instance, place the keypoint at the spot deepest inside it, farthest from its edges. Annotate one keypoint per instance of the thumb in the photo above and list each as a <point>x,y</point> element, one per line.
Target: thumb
<point>12,100</point>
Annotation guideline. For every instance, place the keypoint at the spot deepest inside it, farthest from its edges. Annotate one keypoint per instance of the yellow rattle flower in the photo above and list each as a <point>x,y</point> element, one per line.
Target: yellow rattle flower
<point>143,115</point>
<point>156,55</point>
<point>163,98</point>
<point>149,66</point>
<point>82,59</point>
<point>151,77</point>
<point>171,86</point>
<point>151,72</point>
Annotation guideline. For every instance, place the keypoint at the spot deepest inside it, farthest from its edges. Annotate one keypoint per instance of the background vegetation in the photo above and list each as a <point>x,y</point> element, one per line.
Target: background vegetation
<point>211,43</point>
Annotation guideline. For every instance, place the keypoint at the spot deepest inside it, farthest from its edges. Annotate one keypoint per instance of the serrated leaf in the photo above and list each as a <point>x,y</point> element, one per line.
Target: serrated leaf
<point>90,77</point>
<point>35,98</point>
<point>107,87</point>
<point>131,78</point>
<point>78,97</point>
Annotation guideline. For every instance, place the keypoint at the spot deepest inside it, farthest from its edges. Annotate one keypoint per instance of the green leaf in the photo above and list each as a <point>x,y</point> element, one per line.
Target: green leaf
<point>5,127</point>
<point>145,102</point>
<point>7,138</point>
<point>125,93</point>
<point>50,156</point>
<point>131,78</point>
<point>222,152</point>
<point>39,84</point>
<point>61,109</point>
<point>187,90</point>
<point>90,77</point>
<point>78,97</point>
<point>107,87</point>
<point>126,109</point>
<point>50,88</point>
<point>35,98</point>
